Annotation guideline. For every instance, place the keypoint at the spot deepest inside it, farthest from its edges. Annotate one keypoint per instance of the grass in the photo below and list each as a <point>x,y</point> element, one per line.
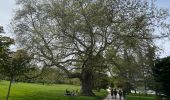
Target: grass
<point>28,91</point>
<point>140,97</point>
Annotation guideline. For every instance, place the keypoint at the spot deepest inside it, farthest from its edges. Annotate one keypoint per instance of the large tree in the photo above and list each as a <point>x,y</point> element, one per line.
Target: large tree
<point>73,35</point>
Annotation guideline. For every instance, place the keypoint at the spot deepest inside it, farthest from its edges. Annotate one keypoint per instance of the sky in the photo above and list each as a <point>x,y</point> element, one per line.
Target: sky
<point>6,13</point>
<point>7,8</point>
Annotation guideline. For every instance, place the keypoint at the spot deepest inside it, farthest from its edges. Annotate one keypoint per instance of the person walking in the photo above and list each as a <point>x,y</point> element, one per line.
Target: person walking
<point>111,92</point>
<point>120,94</point>
<point>115,93</point>
<point>124,94</point>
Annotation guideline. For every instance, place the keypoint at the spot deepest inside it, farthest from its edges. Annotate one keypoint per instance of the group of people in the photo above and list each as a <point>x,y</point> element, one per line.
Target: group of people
<point>120,92</point>
<point>71,93</point>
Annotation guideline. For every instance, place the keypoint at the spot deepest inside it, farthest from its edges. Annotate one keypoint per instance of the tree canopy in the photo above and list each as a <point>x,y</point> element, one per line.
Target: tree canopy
<point>75,35</point>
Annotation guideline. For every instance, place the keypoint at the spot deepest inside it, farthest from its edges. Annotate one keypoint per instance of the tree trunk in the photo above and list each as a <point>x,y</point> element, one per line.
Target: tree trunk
<point>87,83</point>
<point>9,89</point>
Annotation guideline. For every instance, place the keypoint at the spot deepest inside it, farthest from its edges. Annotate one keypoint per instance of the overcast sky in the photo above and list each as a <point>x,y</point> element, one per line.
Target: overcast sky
<point>6,13</point>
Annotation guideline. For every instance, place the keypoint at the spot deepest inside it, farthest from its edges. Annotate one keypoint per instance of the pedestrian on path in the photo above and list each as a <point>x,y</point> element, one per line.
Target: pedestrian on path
<point>120,94</point>
<point>115,93</point>
<point>111,92</point>
<point>124,93</point>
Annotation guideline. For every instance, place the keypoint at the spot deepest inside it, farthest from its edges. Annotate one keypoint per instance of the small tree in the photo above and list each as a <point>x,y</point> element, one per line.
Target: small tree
<point>15,65</point>
<point>12,64</point>
<point>161,72</point>
<point>5,42</point>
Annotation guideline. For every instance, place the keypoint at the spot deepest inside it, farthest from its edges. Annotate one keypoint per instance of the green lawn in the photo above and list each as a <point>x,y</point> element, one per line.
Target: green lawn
<point>28,91</point>
<point>140,97</point>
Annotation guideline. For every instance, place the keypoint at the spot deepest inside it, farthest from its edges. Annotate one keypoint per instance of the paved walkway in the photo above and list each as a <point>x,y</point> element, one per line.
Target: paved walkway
<point>112,98</point>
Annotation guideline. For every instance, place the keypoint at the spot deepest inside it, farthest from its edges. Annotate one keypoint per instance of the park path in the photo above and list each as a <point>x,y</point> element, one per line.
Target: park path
<point>112,98</point>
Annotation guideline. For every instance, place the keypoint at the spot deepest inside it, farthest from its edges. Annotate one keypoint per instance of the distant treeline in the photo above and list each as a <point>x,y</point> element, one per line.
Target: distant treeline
<point>48,76</point>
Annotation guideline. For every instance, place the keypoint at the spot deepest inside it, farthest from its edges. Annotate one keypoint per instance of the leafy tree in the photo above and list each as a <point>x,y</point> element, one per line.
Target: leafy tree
<point>15,65</point>
<point>161,72</point>
<point>63,33</point>
<point>5,42</point>
<point>12,64</point>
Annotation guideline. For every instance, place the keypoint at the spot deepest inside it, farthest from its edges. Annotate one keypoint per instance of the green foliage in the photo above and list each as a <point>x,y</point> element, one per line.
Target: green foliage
<point>62,33</point>
<point>133,66</point>
<point>161,72</point>
<point>48,75</point>
<point>27,91</point>
<point>16,64</point>
<point>101,81</point>
<point>12,64</point>
<point>150,82</point>
<point>5,42</point>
